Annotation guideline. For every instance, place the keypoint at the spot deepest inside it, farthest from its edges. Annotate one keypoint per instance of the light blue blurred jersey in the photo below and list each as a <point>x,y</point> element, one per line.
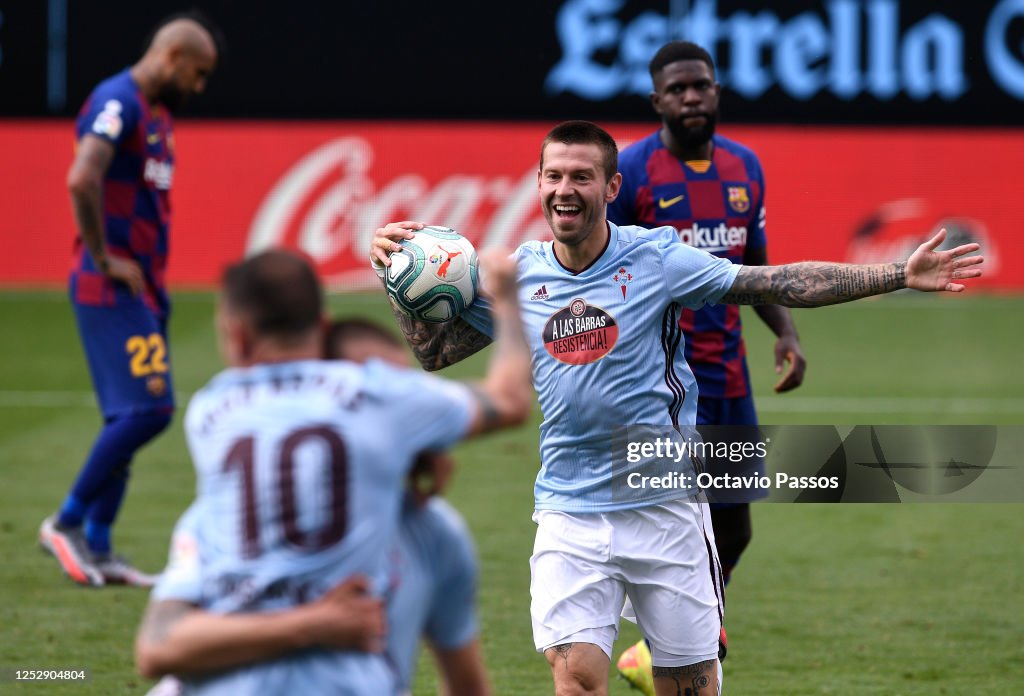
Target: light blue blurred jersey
<point>433,573</point>
<point>436,574</point>
<point>301,470</point>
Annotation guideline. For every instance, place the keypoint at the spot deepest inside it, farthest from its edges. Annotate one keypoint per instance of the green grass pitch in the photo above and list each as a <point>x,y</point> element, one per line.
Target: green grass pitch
<point>829,599</point>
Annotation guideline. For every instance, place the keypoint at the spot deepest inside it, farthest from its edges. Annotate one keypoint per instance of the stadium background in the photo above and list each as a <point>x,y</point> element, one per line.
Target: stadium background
<point>876,121</point>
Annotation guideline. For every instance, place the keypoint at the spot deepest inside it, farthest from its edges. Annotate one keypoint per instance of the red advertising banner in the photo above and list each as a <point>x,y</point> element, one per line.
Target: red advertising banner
<point>849,194</point>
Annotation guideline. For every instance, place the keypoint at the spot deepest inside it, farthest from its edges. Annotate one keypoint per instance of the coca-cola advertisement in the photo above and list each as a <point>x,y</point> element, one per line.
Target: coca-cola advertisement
<point>845,194</point>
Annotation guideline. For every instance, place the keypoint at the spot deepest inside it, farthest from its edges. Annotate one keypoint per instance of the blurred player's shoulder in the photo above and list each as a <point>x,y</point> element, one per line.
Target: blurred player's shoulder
<point>112,108</point>
<point>440,537</point>
<point>119,88</point>
<point>441,519</point>
<point>118,82</point>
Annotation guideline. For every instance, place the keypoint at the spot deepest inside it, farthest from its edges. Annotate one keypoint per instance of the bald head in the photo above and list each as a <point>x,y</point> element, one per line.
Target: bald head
<point>177,62</point>
<point>187,35</point>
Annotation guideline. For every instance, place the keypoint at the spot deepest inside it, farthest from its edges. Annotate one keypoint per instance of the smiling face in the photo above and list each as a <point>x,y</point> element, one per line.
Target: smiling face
<point>686,97</point>
<point>574,190</point>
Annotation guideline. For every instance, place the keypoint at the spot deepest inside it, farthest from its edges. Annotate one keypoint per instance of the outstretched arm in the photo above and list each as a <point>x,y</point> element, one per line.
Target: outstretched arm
<point>816,284</point>
<point>436,346</point>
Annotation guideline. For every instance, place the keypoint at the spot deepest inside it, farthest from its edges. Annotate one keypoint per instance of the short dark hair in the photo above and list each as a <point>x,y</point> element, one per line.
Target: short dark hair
<point>343,330</point>
<point>675,51</point>
<point>278,293</point>
<point>584,133</point>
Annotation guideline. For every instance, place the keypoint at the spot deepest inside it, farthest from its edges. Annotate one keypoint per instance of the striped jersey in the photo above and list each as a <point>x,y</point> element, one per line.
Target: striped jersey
<point>716,206</point>
<point>300,471</point>
<point>136,190</point>
<point>607,352</point>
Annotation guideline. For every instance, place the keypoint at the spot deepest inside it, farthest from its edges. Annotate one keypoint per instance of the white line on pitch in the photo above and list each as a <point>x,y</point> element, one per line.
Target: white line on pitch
<point>895,404</point>
<point>775,404</point>
<point>46,399</point>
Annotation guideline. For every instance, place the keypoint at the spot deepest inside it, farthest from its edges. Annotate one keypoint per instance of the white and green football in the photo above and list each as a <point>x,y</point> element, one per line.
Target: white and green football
<point>434,276</point>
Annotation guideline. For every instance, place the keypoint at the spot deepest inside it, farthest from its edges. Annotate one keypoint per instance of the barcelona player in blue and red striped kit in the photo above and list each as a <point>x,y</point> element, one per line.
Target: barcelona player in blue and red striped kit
<point>712,190</point>
<point>120,184</point>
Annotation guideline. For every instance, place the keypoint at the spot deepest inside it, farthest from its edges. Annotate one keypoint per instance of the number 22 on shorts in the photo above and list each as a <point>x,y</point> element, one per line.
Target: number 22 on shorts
<point>148,354</point>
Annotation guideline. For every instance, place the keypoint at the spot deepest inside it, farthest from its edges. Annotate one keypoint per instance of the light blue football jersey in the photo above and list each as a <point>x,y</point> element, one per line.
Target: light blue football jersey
<point>300,472</point>
<point>607,352</point>
<point>435,572</point>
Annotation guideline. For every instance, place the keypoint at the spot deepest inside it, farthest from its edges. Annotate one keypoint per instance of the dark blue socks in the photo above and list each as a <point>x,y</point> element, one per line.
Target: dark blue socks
<point>100,487</point>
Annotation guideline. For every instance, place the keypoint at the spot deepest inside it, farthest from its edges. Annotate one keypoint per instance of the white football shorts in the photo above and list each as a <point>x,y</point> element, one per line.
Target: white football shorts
<point>662,557</point>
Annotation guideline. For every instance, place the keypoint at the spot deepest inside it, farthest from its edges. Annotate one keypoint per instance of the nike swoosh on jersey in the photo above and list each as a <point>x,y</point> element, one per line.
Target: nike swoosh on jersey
<point>663,203</point>
<point>153,138</point>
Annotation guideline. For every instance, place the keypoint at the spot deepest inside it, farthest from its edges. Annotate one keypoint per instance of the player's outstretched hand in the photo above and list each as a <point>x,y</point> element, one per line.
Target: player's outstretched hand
<point>787,350</point>
<point>386,238</point>
<point>126,271</point>
<point>348,617</point>
<point>932,271</point>
<point>498,274</point>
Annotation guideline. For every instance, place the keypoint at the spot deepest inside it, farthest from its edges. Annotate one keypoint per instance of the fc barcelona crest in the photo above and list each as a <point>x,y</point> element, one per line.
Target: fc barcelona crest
<point>738,199</point>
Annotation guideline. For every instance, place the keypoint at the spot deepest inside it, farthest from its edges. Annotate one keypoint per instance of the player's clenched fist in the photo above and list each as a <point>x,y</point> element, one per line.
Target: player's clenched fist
<point>498,273</point>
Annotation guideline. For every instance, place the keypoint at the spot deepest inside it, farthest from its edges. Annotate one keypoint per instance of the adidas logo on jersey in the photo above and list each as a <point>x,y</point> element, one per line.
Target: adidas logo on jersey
<point>541,294</point>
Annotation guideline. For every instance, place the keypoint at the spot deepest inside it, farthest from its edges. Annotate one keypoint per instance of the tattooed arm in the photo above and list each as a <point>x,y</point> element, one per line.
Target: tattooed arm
<point>780,321</point>
<point>505,395</point>
<point>813,284</point>
<point>816,284</point>
<point>437,346</point>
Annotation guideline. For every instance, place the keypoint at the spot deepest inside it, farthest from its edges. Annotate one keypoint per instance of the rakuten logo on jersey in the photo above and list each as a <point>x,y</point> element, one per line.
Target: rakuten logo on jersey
<point>328,204</point>
<point>158,173</point>
<point>712,239</point>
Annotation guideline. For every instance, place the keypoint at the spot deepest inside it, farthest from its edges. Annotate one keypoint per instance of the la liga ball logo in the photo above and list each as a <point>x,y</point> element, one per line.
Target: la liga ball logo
<point>445,263</point>
<point>580,333</point>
